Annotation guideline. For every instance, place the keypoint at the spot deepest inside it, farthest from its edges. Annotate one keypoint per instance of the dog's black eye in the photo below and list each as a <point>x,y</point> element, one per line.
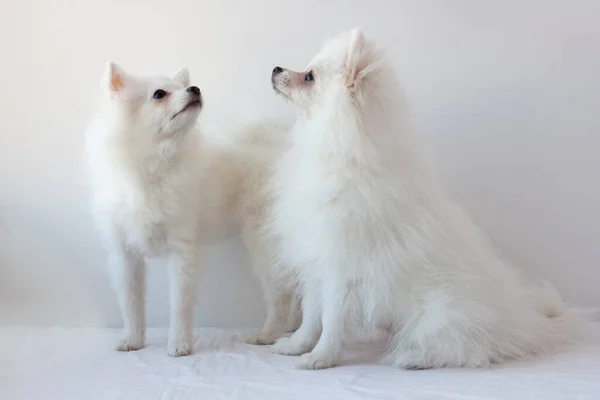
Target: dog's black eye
<point>309,77</point>
<point>159,94</point>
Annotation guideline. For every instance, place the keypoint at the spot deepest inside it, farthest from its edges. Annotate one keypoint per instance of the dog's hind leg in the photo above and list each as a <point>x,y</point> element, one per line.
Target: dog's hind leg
<point>275,287</point>
<point>294,316</point>
<point>278,301</point>
<point>440,339</point>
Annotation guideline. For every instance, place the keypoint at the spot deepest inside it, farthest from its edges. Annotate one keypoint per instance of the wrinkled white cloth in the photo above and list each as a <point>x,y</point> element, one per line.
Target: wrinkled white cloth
<point>80,364</point>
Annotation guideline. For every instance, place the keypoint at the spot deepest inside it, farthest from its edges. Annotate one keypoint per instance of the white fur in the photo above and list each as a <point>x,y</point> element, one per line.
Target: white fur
<point>365,224</point>
<point>161,191</point>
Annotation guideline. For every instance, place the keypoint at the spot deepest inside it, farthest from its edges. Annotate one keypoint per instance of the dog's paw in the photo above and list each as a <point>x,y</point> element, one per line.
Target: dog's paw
<point>260,338</point>
<point>289,347</point>
<point>315,361</point>
<point>130,344</point>
<point>179,348</point>
<point>409,361</point>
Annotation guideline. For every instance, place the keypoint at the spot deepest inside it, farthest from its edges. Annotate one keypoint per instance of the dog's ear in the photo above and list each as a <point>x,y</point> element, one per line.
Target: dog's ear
<point>182,77</point>
<point>115,78</point>
<point>357,59</point>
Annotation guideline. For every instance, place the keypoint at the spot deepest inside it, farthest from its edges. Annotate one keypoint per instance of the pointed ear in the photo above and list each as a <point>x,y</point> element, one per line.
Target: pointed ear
<point>114,78</point>
<point>357,60</point>
<point>182,77</point>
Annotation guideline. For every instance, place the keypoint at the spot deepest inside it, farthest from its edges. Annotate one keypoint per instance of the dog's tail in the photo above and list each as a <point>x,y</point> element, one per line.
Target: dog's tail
<point>261,132</point>
<point>561,324</point>
<point>267,132</point>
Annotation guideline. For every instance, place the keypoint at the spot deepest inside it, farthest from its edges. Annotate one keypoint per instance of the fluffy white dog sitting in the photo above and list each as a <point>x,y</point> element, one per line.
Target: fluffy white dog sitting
<point>161,190</point>
<point>372,235</point>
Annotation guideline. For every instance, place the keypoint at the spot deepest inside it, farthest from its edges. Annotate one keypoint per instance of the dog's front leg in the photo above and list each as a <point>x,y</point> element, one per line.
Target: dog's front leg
<point>183,270</point>
<point>327,352</point>
<point>128,273</point>
<point>303,340</point>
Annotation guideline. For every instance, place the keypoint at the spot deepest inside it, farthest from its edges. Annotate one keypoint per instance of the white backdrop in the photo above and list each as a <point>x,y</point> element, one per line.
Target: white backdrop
<point>506,92</point>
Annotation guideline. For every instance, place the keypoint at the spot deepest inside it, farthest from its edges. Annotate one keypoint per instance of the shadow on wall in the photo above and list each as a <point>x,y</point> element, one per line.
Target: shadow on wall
<point>53,272</point>
<point>38,283</point>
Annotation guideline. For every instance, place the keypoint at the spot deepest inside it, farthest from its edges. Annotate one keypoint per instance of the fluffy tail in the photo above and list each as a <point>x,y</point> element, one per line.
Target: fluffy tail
<point>561,324</point>
<point>265,132</point>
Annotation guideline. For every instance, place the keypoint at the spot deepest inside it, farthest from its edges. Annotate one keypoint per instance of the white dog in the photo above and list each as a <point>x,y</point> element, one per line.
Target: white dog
<point>372,235</point>
<point>159,190</point>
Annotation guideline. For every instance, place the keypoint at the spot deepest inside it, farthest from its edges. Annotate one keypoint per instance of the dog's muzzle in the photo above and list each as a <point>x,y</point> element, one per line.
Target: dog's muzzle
<point>276,71</point>
<point>275,78</point>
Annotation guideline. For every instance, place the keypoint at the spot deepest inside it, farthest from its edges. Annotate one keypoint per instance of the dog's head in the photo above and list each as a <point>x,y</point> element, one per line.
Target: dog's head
<point>153,106</point>
<point>340,68</point>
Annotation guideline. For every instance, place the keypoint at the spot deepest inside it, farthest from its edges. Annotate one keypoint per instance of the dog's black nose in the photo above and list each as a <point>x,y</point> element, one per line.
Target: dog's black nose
<point>277,70</point>
<point>194,89</point>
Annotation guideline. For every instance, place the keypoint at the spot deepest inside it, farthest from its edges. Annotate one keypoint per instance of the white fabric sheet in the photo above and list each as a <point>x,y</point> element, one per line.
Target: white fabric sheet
<point>80,364</point>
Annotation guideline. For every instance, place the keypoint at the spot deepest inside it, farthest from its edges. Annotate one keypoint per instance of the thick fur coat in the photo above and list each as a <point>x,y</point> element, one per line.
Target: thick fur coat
<point>159,189</point>
<point>366,226</point>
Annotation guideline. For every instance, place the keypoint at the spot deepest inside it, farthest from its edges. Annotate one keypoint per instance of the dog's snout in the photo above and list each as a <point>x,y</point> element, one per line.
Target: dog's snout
<point>193,89</point>
<point>277,70</point>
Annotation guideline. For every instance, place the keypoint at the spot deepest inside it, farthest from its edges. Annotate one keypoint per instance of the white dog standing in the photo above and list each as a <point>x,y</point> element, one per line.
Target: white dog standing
<point>372,235</point>
<point>159,190</point>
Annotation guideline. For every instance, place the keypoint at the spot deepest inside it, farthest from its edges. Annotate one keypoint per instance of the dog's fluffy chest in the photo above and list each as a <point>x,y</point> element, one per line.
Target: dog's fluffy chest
<point>147,215</point>
<point>144,224</point>
<point>314,204</point>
